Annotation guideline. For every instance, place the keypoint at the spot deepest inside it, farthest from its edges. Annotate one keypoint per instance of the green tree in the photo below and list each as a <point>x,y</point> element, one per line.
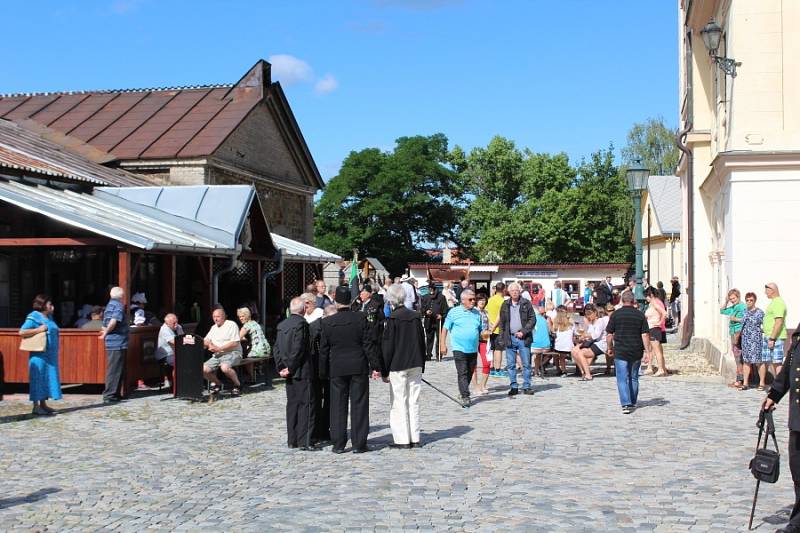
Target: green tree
<point>652,143</point>
<point>390,205</point>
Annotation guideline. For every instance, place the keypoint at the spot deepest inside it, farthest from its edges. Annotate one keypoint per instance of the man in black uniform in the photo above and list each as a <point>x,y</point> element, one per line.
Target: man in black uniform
<point>788,380</point>
<point>434,310</point>
<point>293,361</point>
<point>371,304</point>
<point>347,354</point>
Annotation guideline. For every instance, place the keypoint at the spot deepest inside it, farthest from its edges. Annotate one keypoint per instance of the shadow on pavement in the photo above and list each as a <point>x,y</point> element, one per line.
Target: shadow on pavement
<point>30,416</point>
<point>30,498</point>
<point>653,402</point>
<point>778,518</point>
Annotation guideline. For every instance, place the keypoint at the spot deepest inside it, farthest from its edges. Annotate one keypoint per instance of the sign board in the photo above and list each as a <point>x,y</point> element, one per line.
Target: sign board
<point>537,274</point>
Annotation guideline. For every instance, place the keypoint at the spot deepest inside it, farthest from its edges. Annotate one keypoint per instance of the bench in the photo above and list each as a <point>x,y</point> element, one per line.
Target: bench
<point>250,364</point>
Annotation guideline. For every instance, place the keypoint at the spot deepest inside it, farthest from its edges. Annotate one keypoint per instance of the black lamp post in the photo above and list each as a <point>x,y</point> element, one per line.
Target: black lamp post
<point>637,177</point>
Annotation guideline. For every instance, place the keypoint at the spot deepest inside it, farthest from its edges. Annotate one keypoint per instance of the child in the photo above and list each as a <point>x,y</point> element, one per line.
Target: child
<point>541,340</point>
<point>564,330</point>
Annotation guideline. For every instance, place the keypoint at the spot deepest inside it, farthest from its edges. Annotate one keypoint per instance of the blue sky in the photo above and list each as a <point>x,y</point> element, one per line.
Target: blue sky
<point>556,75</point>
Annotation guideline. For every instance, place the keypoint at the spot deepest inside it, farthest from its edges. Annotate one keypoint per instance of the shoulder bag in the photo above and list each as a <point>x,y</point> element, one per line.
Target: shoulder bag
<point>34,343</point>
<point>765,465</point>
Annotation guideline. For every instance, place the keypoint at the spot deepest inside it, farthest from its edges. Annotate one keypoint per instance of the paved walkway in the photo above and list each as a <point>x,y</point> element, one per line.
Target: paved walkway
<point>565,459</point>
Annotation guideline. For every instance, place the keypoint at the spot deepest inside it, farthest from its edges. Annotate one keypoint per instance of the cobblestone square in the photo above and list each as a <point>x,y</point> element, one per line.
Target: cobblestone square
<point>565,459</point>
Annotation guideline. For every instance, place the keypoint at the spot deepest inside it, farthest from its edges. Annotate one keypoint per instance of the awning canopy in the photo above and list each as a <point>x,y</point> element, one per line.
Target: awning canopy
<point>298,251</point>
<point>204,219</point>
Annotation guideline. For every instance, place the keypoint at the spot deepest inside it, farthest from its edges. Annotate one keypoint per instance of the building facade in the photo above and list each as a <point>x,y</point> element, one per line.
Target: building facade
<point>740,172</point>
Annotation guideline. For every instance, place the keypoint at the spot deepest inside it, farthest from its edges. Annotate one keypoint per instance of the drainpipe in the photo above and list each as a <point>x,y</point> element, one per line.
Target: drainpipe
<point>688,328</point>
<point>264,276</point>
<point>217,275</point>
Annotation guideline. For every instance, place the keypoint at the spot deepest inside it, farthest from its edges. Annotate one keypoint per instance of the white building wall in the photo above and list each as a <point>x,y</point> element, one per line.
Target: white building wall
<point>765,241</point>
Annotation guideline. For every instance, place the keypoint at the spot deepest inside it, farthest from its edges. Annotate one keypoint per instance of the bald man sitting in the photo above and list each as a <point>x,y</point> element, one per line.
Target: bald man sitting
<point>165,350</point>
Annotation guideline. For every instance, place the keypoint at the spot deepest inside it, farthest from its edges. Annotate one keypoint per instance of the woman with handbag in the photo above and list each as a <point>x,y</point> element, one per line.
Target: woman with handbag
<point>735,309</point>
<point>40,337</point>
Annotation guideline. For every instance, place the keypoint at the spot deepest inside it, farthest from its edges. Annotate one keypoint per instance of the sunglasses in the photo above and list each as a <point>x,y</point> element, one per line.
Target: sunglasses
<point>470,299</point>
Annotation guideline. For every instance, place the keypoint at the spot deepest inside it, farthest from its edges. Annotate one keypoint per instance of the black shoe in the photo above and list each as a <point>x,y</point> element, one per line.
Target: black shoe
<point>465,402</point>
<point>400,446</point>
<point>529,392</point>
<point>513,392</point>
<point>310,449</point>
<point>415,445</point>
<point>292,446</point>
<point>337,450</point>
<point>360,450</point>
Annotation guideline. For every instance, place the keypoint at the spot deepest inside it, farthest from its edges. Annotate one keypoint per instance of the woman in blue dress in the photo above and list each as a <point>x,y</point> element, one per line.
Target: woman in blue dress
<point>43,366</point>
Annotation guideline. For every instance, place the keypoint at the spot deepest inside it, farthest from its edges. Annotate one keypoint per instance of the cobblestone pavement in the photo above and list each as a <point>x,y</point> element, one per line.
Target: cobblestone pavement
<point>565,459</point>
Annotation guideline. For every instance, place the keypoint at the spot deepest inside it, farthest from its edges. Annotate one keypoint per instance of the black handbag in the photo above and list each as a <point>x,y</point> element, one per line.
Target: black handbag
<point>766,464</point>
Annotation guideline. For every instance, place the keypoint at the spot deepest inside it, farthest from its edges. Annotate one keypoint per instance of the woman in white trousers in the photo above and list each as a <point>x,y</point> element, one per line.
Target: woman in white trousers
<point>403,349</point>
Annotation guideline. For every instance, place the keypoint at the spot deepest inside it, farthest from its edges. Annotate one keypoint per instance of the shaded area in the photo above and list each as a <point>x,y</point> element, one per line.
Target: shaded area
<point>29,498</point>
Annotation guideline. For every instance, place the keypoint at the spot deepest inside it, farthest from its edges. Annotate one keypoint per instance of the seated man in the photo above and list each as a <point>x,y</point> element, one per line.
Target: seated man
<point>222,341</point>
<point>97,319</point>
<point>165,351</point>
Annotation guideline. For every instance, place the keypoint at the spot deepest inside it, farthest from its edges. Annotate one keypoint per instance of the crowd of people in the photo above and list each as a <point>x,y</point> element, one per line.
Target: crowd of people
<point>757,336</point>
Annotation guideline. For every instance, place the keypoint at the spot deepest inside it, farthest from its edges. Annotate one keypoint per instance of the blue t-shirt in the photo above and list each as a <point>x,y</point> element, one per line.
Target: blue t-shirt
<point>118,338</point>
<point>541,336</point>
<point>465,329</point>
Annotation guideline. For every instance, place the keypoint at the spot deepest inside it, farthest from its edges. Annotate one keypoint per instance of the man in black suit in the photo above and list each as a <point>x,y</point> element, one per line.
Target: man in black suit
<point>788,380</point>
<point>293,361</point>
<point>434,310</point>
<point>603,292</point>
<point>347,354</point>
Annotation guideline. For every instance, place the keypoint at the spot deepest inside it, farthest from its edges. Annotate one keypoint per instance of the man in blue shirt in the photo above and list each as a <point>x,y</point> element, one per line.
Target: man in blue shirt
<point>115,334</point>
<point>463,326</point>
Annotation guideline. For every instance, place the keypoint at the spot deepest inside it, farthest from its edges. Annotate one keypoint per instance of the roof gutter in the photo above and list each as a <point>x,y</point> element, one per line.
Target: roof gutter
<point>680,141</point>
<point>264,276</point>
<point>217,275</point>
<point>688,321</point>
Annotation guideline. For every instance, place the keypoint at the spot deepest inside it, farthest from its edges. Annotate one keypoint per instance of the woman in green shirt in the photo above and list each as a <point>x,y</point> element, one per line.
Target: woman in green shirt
<point>251,331</point>
<point>735,309</point>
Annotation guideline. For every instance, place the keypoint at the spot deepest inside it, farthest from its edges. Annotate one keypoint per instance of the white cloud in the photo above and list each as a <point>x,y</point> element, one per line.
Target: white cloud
<point>326,84</point>
<point>290,70</point>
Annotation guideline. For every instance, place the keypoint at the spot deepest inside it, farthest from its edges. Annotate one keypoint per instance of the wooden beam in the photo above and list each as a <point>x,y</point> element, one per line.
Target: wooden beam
<point>57,241</point>
<point>168,289</point>
<point>124,274</point>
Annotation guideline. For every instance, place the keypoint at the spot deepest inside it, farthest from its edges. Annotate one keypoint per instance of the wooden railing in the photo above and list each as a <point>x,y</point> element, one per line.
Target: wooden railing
<point>82,356</point>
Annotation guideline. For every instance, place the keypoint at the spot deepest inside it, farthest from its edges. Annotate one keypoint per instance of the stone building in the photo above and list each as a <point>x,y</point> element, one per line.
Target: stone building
<point>242,133</point>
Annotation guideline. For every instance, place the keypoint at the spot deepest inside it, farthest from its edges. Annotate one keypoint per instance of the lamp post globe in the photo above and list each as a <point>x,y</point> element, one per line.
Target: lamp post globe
<point>637,176</point>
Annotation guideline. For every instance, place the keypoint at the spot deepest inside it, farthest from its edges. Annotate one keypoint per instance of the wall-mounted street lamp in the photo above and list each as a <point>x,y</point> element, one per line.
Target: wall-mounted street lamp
<point>712,34</point>
<point>637,177</point>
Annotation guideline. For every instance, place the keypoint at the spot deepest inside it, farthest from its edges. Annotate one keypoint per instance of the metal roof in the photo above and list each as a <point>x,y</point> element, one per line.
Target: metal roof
<point>24,150</point>
<point>145,123</point>
<point>299,251</point>
<point>129,222</point>
<point>665,195</point>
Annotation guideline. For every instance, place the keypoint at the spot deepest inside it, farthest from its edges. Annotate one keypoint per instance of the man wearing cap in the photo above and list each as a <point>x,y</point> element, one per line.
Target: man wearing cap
<point>346,355</point>
<point>434,310</point>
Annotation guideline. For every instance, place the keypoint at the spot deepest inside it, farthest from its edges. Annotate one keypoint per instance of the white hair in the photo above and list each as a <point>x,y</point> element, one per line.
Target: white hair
<point>513,285</point>
<point>330,310</point>
<point>116,293</point>
<point>395,295</point>
<point>297,306</point>
<point>466,292</point>
<point>308,297</point>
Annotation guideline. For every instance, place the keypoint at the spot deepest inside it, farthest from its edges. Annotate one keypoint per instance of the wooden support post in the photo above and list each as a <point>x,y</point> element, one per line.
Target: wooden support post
<point>168,280</point>
<point>124,274</point>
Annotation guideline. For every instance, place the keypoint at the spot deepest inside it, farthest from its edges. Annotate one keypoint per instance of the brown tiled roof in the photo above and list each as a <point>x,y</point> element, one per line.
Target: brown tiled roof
<point>145,123</point>
<point>24,151</point>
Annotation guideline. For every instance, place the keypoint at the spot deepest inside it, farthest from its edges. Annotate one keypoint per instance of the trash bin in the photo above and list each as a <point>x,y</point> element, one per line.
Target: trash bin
<point>189,354</point>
